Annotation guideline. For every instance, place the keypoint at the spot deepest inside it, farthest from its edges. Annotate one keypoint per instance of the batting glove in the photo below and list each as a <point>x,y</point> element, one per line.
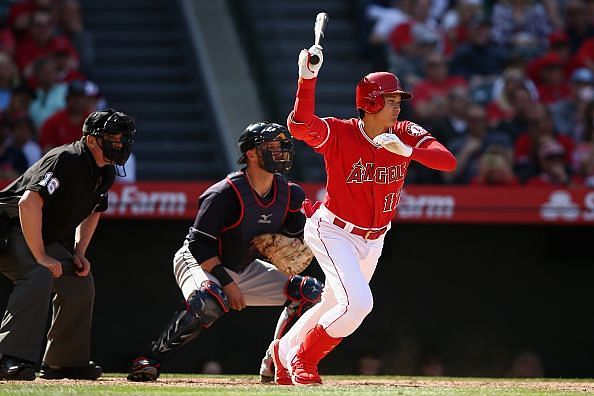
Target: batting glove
<point>306,69</point>
<point>392,143</point>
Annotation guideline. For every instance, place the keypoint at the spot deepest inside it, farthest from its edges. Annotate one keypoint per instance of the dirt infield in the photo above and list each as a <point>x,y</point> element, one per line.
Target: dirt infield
<point>331,382</point>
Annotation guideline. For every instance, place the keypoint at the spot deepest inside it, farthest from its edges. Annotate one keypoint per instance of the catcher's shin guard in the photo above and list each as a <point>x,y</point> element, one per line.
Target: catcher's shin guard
<point>203,308</point>
<point>303,292</point>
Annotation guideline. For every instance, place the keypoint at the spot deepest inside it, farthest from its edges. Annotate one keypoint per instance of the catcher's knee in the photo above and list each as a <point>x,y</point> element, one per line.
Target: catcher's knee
<point>207,304</point>
<point>304,289</point>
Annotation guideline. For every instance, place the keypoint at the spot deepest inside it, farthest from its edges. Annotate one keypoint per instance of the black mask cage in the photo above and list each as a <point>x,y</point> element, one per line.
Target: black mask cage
<point>273,143</point>
<point>118,151</point>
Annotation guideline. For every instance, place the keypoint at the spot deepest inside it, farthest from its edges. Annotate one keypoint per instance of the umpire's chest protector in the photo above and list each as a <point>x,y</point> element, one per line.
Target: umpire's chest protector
<point>256,218</point>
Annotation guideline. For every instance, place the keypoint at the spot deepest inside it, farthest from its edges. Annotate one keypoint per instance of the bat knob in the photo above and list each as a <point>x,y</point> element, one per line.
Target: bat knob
<point>314,59</point>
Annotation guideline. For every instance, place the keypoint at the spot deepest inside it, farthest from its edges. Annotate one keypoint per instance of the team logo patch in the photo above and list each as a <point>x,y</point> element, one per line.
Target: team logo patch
<point>265,218</point>
<point>416,130</point>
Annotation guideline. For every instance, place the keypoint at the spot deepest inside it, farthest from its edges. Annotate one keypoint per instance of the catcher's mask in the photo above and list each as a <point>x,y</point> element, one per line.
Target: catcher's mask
<point>273,143</point>
<point>114,132</point>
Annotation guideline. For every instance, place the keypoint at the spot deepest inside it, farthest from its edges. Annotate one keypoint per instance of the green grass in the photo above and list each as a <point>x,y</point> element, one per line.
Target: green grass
<point>115,384</point>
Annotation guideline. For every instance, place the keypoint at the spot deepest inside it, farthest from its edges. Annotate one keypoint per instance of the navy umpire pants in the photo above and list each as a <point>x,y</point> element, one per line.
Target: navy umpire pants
<point>24,322</point>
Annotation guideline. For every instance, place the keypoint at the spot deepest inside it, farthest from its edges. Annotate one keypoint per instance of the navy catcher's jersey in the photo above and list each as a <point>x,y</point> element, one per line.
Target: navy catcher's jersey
<point>231,213</point>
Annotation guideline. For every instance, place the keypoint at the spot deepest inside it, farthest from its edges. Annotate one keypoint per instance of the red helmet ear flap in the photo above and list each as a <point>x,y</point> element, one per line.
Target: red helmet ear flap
<point>375,104</point>
<point>371,103</point>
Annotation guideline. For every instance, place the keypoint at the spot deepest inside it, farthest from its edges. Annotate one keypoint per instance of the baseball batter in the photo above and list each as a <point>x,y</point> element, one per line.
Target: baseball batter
<point>366,162</point>
<point>216,268</point>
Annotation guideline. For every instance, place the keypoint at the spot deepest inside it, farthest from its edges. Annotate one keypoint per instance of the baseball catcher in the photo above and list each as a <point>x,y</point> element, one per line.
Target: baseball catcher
<point>244,249</point>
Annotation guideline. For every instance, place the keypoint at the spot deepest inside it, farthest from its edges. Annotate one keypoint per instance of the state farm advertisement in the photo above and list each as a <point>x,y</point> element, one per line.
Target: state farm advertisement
<point>418,204</point>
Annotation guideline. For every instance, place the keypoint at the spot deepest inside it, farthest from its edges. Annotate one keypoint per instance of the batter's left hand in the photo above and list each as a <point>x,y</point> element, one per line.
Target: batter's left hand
<point>83,266</point>
<point>392,143</point>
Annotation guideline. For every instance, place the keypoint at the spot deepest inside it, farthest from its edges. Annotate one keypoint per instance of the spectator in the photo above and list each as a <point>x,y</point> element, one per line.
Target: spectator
<point>50,95</point>
<point>97,101</point>
<point>7,41</point>
<point>20,101</point>
<point>551,83</point>
<point>420,28</point>
<point>66,62</point>
<point>578,25</point>
<point>65,125</point>
<point>12,161</point>
<point>9,78</point>
<point>71,25</point>
<point>520,23</point>
<point>567,112</point>
<point>453,123</point>
<point>479,57</point>
<point>495,168</point>
<point>469,147</point>
<point>558,50</point>
<point>435,87</point>
<point>387,18</point>
<point>583,154</point>
<point>505,89</point>
<point>22,135</point>
<point>553,166</point>
<point>40,42</point>
<point>540,128</point>
<point>21,12</point>
<point>411,42</point>
<point>457,20</point>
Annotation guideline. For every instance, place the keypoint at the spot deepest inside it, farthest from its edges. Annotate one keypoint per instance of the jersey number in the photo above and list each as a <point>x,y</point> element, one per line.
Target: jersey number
<point>51,183</point>
<point>391,201</point>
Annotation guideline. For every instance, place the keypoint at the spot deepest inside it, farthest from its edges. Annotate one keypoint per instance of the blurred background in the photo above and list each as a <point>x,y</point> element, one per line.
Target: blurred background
<point>487,270</point>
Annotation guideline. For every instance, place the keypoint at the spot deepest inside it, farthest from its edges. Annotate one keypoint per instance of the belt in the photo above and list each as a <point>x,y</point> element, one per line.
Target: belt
<point>362,232</point>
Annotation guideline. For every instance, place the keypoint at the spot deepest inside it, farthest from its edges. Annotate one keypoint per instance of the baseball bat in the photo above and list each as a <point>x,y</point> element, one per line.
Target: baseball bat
<point>319,30</point>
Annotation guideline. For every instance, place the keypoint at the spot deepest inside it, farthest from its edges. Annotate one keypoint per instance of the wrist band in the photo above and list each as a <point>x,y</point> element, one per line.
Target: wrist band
<point>219,272</point>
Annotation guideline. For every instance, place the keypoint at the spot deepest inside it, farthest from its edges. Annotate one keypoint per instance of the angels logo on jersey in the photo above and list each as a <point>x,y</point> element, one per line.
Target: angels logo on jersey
<point>416,130</point>
<point>368,172</point>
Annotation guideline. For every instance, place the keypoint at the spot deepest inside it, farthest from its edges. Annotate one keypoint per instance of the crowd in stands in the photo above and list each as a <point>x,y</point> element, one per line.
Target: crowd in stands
<point>46,92</point>
<point>507,86</point>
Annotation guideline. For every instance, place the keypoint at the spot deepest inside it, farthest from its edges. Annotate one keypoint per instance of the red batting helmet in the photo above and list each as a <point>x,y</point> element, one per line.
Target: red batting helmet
<point>371,88</point>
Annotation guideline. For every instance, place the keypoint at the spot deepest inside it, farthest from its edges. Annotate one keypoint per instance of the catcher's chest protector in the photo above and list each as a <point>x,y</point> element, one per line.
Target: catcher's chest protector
<point>256,217</point>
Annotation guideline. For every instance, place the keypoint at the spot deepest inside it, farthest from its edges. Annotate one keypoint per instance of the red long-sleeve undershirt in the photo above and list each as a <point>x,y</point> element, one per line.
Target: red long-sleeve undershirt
<point>432,154</point>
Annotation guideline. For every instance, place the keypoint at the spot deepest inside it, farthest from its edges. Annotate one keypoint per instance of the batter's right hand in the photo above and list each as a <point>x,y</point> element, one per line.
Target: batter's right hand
<point>306,69</point>
<point>234,296</point>
<point>53,265</point>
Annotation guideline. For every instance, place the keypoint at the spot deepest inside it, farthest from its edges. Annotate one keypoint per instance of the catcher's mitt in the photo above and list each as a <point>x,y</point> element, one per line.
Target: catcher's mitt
<point>289,255</point>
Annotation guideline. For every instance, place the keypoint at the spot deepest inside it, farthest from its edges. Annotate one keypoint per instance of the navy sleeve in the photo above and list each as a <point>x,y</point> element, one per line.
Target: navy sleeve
<point>216,211</point>
<point>295,219</point>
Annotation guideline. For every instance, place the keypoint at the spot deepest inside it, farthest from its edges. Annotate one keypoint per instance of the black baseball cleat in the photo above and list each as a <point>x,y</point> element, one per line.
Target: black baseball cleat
<point>144,369</point>
<point>90,372</point>
<point>15,369</point>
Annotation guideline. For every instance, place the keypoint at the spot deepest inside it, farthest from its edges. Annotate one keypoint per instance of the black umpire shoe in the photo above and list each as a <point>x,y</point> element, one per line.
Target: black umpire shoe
<point>90,372</point>
<point>144,369</point>
<point>15,369</point>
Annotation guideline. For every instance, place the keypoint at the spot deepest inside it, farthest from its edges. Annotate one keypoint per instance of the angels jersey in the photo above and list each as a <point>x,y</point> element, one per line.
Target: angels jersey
<point>364,180</point>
